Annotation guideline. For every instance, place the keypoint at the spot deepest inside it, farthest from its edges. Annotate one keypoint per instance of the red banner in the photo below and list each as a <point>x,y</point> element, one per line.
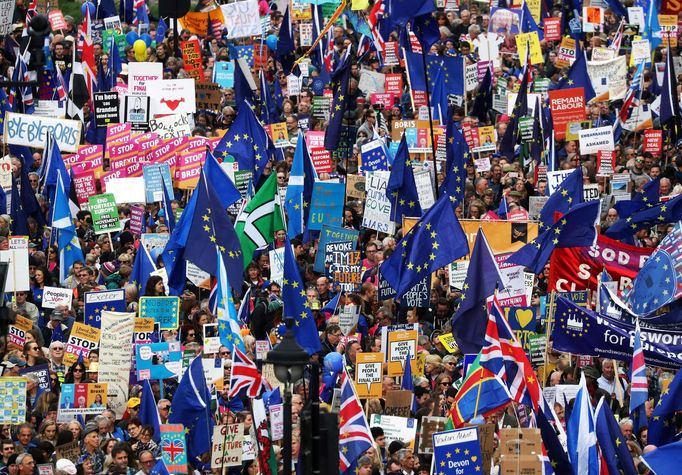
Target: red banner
<point>574,269</point>
<point>566,105</point>
<point>553,29</point>
<point>671,6</point>
<point>653,142</point>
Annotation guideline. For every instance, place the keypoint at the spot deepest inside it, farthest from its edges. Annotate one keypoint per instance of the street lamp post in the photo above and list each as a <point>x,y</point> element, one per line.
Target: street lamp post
<point>288,360</point>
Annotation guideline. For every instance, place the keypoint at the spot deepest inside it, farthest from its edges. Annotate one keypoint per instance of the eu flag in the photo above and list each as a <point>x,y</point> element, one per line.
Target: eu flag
<point>555,451</point>
<point>483,277</point>
<point>210,227</point>
<point>285,52</point>
<point>247,141</point>
<point>661,213</point>
<point>401,189</point>
<point>149,414</point>
<point>402,11</point>
<point>243,94</point>
<point>425,28</point>
<point>483,97</point>
<point>340,103</point>
<point>664,459</point>
<point>648,197</point>
<point>662,424</point>
<point>167,208</point>
<point>268,108</point>
<point>577,76</point>
<point>574,229</point>
<point>456,158</point>
<point>611,442</point>
<point>191,407</point>
<point>227,193</point>
<point>435,241</point>
<point>296,305</point>
<point>511,135</point>
<point>568,194</point>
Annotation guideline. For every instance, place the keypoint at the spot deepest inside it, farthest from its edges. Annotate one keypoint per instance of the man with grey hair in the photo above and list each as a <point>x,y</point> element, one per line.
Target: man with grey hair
<point>164,409</point>
<point>146,461</point>
<point>406,461</point>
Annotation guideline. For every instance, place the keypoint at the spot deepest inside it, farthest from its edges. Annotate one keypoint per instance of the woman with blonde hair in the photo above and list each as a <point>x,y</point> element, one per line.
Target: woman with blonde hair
<point>433,366</point>
<point>48,431</point>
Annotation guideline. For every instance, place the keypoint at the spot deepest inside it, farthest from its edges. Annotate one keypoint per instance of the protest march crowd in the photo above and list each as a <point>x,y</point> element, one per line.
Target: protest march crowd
<point>464,214</point>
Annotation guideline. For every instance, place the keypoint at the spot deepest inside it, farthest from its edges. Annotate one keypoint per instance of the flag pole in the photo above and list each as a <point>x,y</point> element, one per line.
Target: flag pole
<point>428,106</point>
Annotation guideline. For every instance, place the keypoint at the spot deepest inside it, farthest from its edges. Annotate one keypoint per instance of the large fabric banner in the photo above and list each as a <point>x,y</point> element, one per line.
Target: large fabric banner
<point>577,268</point>
<point>587,333</point>
<point>115,348</point>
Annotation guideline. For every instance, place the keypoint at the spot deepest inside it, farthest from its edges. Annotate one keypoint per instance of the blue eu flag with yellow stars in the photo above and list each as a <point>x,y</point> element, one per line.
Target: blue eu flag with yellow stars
<point>296,305</point>
<point>401,189</point>
<point>661,424</point>
<point>511,135</point>
<point>285,52</point>
<point>210,227</point>
<point>568,194</point>
<point>575,229</point>
<point>577,76</point>
<point>245,52</point>
<point>611,442</point>
<point>457,451</point>
<point>243,94</point>
<point>97,302</point>
<point>648,197</point>
<point>247,142</point>
<point>340,102</point>
<point>661,213</point>
<point>435,241</point>
<point>456,158</point>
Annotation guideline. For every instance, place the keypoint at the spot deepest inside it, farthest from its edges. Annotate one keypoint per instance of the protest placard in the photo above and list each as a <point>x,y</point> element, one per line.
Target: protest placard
<point>155,177</point>
<point>104,213</point>
<point>369,374</point>
<point>458,451</point>
<point>333,234</point>
<point>164,310</point>
<point>174,450</point>
<point>33,130</point>
<point>326,205</point>
<point>172,96</point>
<point>402,429</point>
<point>242,19</point>
<point>6,15</point>
<point>191,55</point>
<point>81,399</point>
<point>17,274</point>
<point>13,405</point>
<point>377,213</point>
<point>140,73</point>
<point>97,302</point>
<point>56,296</point>
<point>396,345</point>
<point>115,349</point>
<point>41,374</point>
<point>566,105</point>
<point>158,361</point>
<point>595,139</point>
<point>228,441</point>
<point>106,108</point>
<point>82,340</point>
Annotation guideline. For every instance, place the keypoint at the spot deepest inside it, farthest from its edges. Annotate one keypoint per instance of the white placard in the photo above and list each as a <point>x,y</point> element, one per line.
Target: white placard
<point>471,77</point>
<point>141,73</point>
<point>424,183</point>
<point>17,274</point>
<point>401,429</point>
<point>377,213</point>
<point>172,96</point>
<point>555,178</point>
<point>55,296</point>
<point>228,442</point>
<point>127,190</point>
<point>641,51</point>
<point>277,265</point>
<point>33,130</point>
<point>595,139</point>
<point>371,81</point>
<point>242,19</point>
<point>6,15</point>
<point>171,126</point>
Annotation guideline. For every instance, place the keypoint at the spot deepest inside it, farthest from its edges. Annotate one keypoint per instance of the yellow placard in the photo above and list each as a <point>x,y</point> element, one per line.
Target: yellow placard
<point>144,325</point>
<point>369,374</point>
<point>526,40</point>
<point>82,339</point>
<point>448,341</point>
<point>398,344</point>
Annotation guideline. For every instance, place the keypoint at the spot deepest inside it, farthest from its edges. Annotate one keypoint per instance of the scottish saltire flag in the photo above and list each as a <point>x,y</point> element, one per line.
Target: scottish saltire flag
<point>228,324</point>
<point>661,424</point>
<point>299,189</point>
<point>483,277</point>
<point>575,229</point>
<point>245,376</point>
<point>435,241</point>
<point>67,240</point>
<point>191,407</point>
<point>612,444</point>
<point>401,189</point>
<point>481,393</point>
<point>639,387</point>
<point>504,356</point>
<point>149,413</point>
<point>582,438</point>
<point>568,194</point>
<point>143,266</point>
<point>296,304</point>
<point>664,459</point>
<point>659,282</point>
<point>354,435</point>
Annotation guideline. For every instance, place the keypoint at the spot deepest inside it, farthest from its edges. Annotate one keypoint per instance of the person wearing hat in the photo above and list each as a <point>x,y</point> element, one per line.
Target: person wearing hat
<point>65,467</point>
<point>57,318</point>
<point>90,446</point>
<point>23,306</point>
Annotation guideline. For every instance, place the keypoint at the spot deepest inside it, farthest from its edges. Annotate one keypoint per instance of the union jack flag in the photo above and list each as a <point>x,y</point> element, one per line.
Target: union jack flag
<point>504,356</point>
<point>354,435</point>
<point>245,375</point>
<point>615,45</point>
<point>639,390</point>
<point>31,11</point>
<point>21,93</point>
<point>140,9</point>
<point>632,97</point>
<point>377,13</point>
<point>61,86</point>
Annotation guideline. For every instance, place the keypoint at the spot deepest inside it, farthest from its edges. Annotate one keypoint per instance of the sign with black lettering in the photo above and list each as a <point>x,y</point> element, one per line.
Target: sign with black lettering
<point>107,107</point>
